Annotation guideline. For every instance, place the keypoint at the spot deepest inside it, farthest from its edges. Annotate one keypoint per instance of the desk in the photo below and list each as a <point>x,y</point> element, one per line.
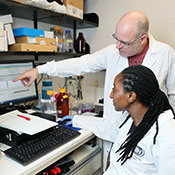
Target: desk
<point>10,167</point>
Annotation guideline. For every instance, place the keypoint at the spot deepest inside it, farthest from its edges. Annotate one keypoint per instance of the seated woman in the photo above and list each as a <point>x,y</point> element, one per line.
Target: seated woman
<point>144,137</point>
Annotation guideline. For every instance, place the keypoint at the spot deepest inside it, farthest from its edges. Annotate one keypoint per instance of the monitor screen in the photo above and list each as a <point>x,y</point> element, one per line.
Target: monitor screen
<point>12,93</point>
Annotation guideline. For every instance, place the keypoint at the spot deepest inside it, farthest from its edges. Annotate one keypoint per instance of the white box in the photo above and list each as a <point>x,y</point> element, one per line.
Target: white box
<point>3,42</point>
<point>1,30</point>
<point>5,19</point>
<point>10,35</point>
<point>48,34</point>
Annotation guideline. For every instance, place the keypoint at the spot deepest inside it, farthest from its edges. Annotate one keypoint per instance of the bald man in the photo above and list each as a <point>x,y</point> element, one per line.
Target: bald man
<point>134,46</point>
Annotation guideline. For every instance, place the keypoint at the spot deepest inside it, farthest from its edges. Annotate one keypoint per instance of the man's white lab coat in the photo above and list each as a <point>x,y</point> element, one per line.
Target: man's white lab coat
<point>160,58</point>
<point>148,158</point>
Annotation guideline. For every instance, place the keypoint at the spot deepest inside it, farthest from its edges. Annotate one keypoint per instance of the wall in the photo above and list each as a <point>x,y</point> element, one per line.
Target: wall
<point>161,15</point>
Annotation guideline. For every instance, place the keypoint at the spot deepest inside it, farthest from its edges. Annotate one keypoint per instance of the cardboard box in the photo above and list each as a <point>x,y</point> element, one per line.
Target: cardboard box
<point>74,8</point>
<point>36,40</point>
<point>24,31</point>
<point>23,47</point>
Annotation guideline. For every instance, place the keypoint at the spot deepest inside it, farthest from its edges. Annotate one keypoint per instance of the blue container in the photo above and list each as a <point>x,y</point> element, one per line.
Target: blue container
<point>24,31</point>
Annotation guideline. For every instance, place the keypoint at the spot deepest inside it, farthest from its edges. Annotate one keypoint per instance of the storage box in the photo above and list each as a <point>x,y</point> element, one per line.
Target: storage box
<point>23,47</point>
<point>3,42</point>
<point>10,35</point>
<point>1,30</point>
<point>23,31</point>
<point>74,8</point>
<point>6,19</point>
<point>48,34</point>
<point>36,40</point>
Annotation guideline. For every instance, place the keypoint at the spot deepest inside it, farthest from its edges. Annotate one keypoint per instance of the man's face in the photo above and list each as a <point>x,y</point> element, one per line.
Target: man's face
<point>127,40</point>
<point>127,46</point>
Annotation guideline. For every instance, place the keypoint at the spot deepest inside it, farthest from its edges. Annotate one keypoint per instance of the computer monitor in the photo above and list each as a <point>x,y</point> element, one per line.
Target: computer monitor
<point>12,93</point>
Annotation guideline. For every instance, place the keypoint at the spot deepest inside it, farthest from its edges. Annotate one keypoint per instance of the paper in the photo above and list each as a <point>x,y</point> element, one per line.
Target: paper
<point>27,124</point>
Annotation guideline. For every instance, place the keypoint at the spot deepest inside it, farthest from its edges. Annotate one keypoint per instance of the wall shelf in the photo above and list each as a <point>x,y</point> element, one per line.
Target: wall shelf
<point>36,14</point>
<point>41,15</point>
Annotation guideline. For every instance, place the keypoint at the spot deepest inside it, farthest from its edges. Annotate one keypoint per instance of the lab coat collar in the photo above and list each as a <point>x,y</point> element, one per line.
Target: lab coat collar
<point>165,117</point>
<point>149,59</point>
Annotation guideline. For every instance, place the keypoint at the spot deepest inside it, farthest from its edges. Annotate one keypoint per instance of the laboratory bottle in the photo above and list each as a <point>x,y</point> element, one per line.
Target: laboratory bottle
<point>50,102</point>
<point>80,44</point>
<point>46,85</point>
<point>68,41</point>
<point>59,38</point>
<point>62,103</point>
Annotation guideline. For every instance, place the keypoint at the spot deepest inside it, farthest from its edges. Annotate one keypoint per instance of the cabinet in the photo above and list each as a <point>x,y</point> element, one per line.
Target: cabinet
<point>42,15</point>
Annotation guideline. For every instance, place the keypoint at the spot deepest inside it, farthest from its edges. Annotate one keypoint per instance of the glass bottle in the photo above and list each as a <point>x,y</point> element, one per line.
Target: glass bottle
<point>80,44</point>
<point>68,41</point>
<point>59,38</point>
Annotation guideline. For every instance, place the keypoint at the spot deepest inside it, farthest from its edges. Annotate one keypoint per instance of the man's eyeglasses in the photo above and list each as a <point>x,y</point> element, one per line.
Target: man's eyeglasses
<point>123,43</point>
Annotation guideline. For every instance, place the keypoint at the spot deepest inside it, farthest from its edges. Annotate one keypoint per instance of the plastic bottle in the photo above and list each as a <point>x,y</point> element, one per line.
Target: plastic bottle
<point>49,104</point>
<point>80,44</point>
<point>68,42</point>
<point>62,103</point>
<point>59,38</point>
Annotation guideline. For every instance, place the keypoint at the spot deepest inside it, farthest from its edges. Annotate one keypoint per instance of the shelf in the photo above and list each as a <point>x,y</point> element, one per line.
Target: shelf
<point>42,53</point>
<point>41,15</point>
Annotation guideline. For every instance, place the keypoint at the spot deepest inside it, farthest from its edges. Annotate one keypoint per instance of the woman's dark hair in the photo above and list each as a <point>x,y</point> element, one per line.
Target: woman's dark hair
<point>143,82</point>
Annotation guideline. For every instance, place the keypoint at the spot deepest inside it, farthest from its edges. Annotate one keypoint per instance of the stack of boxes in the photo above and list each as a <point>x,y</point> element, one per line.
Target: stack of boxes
<point>6,32</point>
<point>33,40</point>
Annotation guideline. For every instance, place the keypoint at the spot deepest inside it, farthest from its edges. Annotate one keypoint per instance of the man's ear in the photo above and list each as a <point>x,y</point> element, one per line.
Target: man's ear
<point>132,97</point>
<point>144,39</point>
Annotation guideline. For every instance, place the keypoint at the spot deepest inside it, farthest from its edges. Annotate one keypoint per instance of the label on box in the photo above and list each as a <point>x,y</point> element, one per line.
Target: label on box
<point>32,40</point>
<point>74,11</point>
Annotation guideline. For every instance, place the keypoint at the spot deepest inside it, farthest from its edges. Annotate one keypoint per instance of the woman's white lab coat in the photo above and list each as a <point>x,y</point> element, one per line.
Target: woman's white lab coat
<point>148,158</point>
<point>160,58</point>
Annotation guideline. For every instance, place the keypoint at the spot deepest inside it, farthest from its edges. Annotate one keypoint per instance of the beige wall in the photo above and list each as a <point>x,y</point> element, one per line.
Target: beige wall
<point>161,14</point>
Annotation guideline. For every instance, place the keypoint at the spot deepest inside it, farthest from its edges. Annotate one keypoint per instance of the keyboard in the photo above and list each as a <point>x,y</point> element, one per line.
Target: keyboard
<point>45,116</point>
<point>41,143</point>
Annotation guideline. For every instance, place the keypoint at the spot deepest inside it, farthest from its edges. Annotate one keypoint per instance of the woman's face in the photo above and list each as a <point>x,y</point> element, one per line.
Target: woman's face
<point>120,98</point>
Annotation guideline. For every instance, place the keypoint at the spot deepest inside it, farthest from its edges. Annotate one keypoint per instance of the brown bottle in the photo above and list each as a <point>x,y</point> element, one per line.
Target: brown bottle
<point>80,44</point>
<point>62,103</point>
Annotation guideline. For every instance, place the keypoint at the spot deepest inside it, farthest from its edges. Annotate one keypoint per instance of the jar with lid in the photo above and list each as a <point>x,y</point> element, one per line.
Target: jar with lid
<point>62,103</point>
<point>80,44</point>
